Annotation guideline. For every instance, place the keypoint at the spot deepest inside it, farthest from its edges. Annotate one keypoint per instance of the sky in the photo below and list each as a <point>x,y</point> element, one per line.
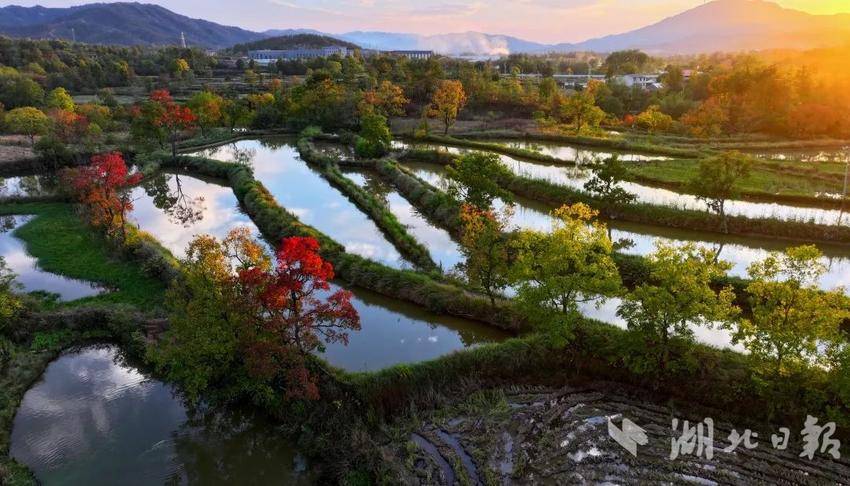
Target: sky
<point>549,21</point>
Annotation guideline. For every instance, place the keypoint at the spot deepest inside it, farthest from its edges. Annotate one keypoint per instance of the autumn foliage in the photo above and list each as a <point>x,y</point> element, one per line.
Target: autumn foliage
<point>241,325</point>
<point>173,118</point>
<point>161,118</point>
<point>103,188</point>
<point>289,317</point>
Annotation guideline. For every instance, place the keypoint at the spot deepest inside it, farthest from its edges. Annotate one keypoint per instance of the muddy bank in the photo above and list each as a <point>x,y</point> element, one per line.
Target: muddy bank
<point>561,436</point>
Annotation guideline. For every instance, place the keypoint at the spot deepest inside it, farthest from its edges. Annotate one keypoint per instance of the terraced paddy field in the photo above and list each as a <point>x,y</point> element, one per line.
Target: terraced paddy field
<point>539,435</point>
<point>94,405</point>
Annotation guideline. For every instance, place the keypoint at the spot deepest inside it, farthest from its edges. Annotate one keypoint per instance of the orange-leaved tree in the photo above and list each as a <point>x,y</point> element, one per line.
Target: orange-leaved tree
<point>447,102</point>
<point>103,187</point>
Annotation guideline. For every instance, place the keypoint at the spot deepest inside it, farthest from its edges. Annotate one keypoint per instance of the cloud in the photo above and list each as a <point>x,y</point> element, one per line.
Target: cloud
<point>446,10</point>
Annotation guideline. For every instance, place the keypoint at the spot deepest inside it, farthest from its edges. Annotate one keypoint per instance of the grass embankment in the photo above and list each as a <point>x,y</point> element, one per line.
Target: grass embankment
<point>378,212</point>
<point>770,181</point>
<point>275,222</point>
<point>65,245</point>
<point>708,382</point>
<point>615,144</point>
<point>444,211</point>
<point>556,195</point>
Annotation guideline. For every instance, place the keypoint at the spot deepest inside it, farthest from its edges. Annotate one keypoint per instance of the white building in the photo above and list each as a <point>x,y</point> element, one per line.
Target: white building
<point>645,81</point>
<point>268,56</point>
<point>412,54</point>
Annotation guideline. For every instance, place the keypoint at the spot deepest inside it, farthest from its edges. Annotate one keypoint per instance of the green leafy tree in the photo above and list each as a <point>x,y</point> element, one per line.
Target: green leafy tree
<point>244,328</point>
<point>207,107</point>
<point>59,99</point>
<point>27,121</point>
<point>626,62</point>
<point>474,178</point>
<point>677,296</point>
<point>18,91</point>
<point>673,78</point>
<point>605,183</point>
<point>374,138</point>
<point>653,120</point>
<point>554,272</point>
<point>10,302</point>
<point>235,113</point>
<point>201,349</point>
<point>485,245</point>
<point>580,109</point>
<point>718,179</point>
<point>790,315</point>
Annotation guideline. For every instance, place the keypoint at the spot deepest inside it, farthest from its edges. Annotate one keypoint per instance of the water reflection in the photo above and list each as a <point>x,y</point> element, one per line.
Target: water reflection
<point>576,177</point>
<point>29,186</point>
<point>567,153</point>
<point>804,155</point>
<point>94,419</point>
<point>443,249</point>
<point>606,311</point>
<point>309,196</point>
<point>579,155</point>
<point>638,239</point>
<point>29,276</point>
<point>236,446</point>
<point>394,332</point>
<point>176,208</point>
<point>391,332</point>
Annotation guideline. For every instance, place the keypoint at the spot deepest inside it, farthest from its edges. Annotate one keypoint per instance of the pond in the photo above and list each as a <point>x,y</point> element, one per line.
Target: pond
<point>577,154</point>
<point>33,185</point>
<point>804,155</point>
<point>94,419</point>
<point>305,193</point>
<point>28,275</point>
<point>638,239</point>
<point>576,177</point>
<point>605,310</point>
<point>392,331</point>
<point>444,250</point>
<point>567,153</point>
<point>176,208</point>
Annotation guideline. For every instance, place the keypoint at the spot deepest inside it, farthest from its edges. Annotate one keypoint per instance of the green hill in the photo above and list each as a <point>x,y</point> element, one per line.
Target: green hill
<point>298,41</point>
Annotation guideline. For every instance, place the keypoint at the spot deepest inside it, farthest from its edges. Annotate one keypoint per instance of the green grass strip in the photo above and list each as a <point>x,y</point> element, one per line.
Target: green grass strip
<point>65,245</point>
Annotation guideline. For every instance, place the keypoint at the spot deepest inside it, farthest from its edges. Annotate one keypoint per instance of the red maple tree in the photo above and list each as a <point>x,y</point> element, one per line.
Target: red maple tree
<point>172,117</point>
<point>103,187</point>
<point>291,315</point>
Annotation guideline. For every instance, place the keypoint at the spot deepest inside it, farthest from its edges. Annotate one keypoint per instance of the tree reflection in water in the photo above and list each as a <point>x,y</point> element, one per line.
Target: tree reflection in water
<point>235,446</point>
<point>31,185</point>
<point>174,202</point>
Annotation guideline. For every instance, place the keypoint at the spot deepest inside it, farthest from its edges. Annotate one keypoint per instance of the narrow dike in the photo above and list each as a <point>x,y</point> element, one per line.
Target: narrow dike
<point>395,232</point>
<point>554,194</point>
<point>443,211</point>
<point>275,223</point>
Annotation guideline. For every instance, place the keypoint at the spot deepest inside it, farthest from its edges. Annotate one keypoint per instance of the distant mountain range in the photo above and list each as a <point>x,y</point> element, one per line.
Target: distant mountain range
<point>720,25</point>
<point>119,23</point>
